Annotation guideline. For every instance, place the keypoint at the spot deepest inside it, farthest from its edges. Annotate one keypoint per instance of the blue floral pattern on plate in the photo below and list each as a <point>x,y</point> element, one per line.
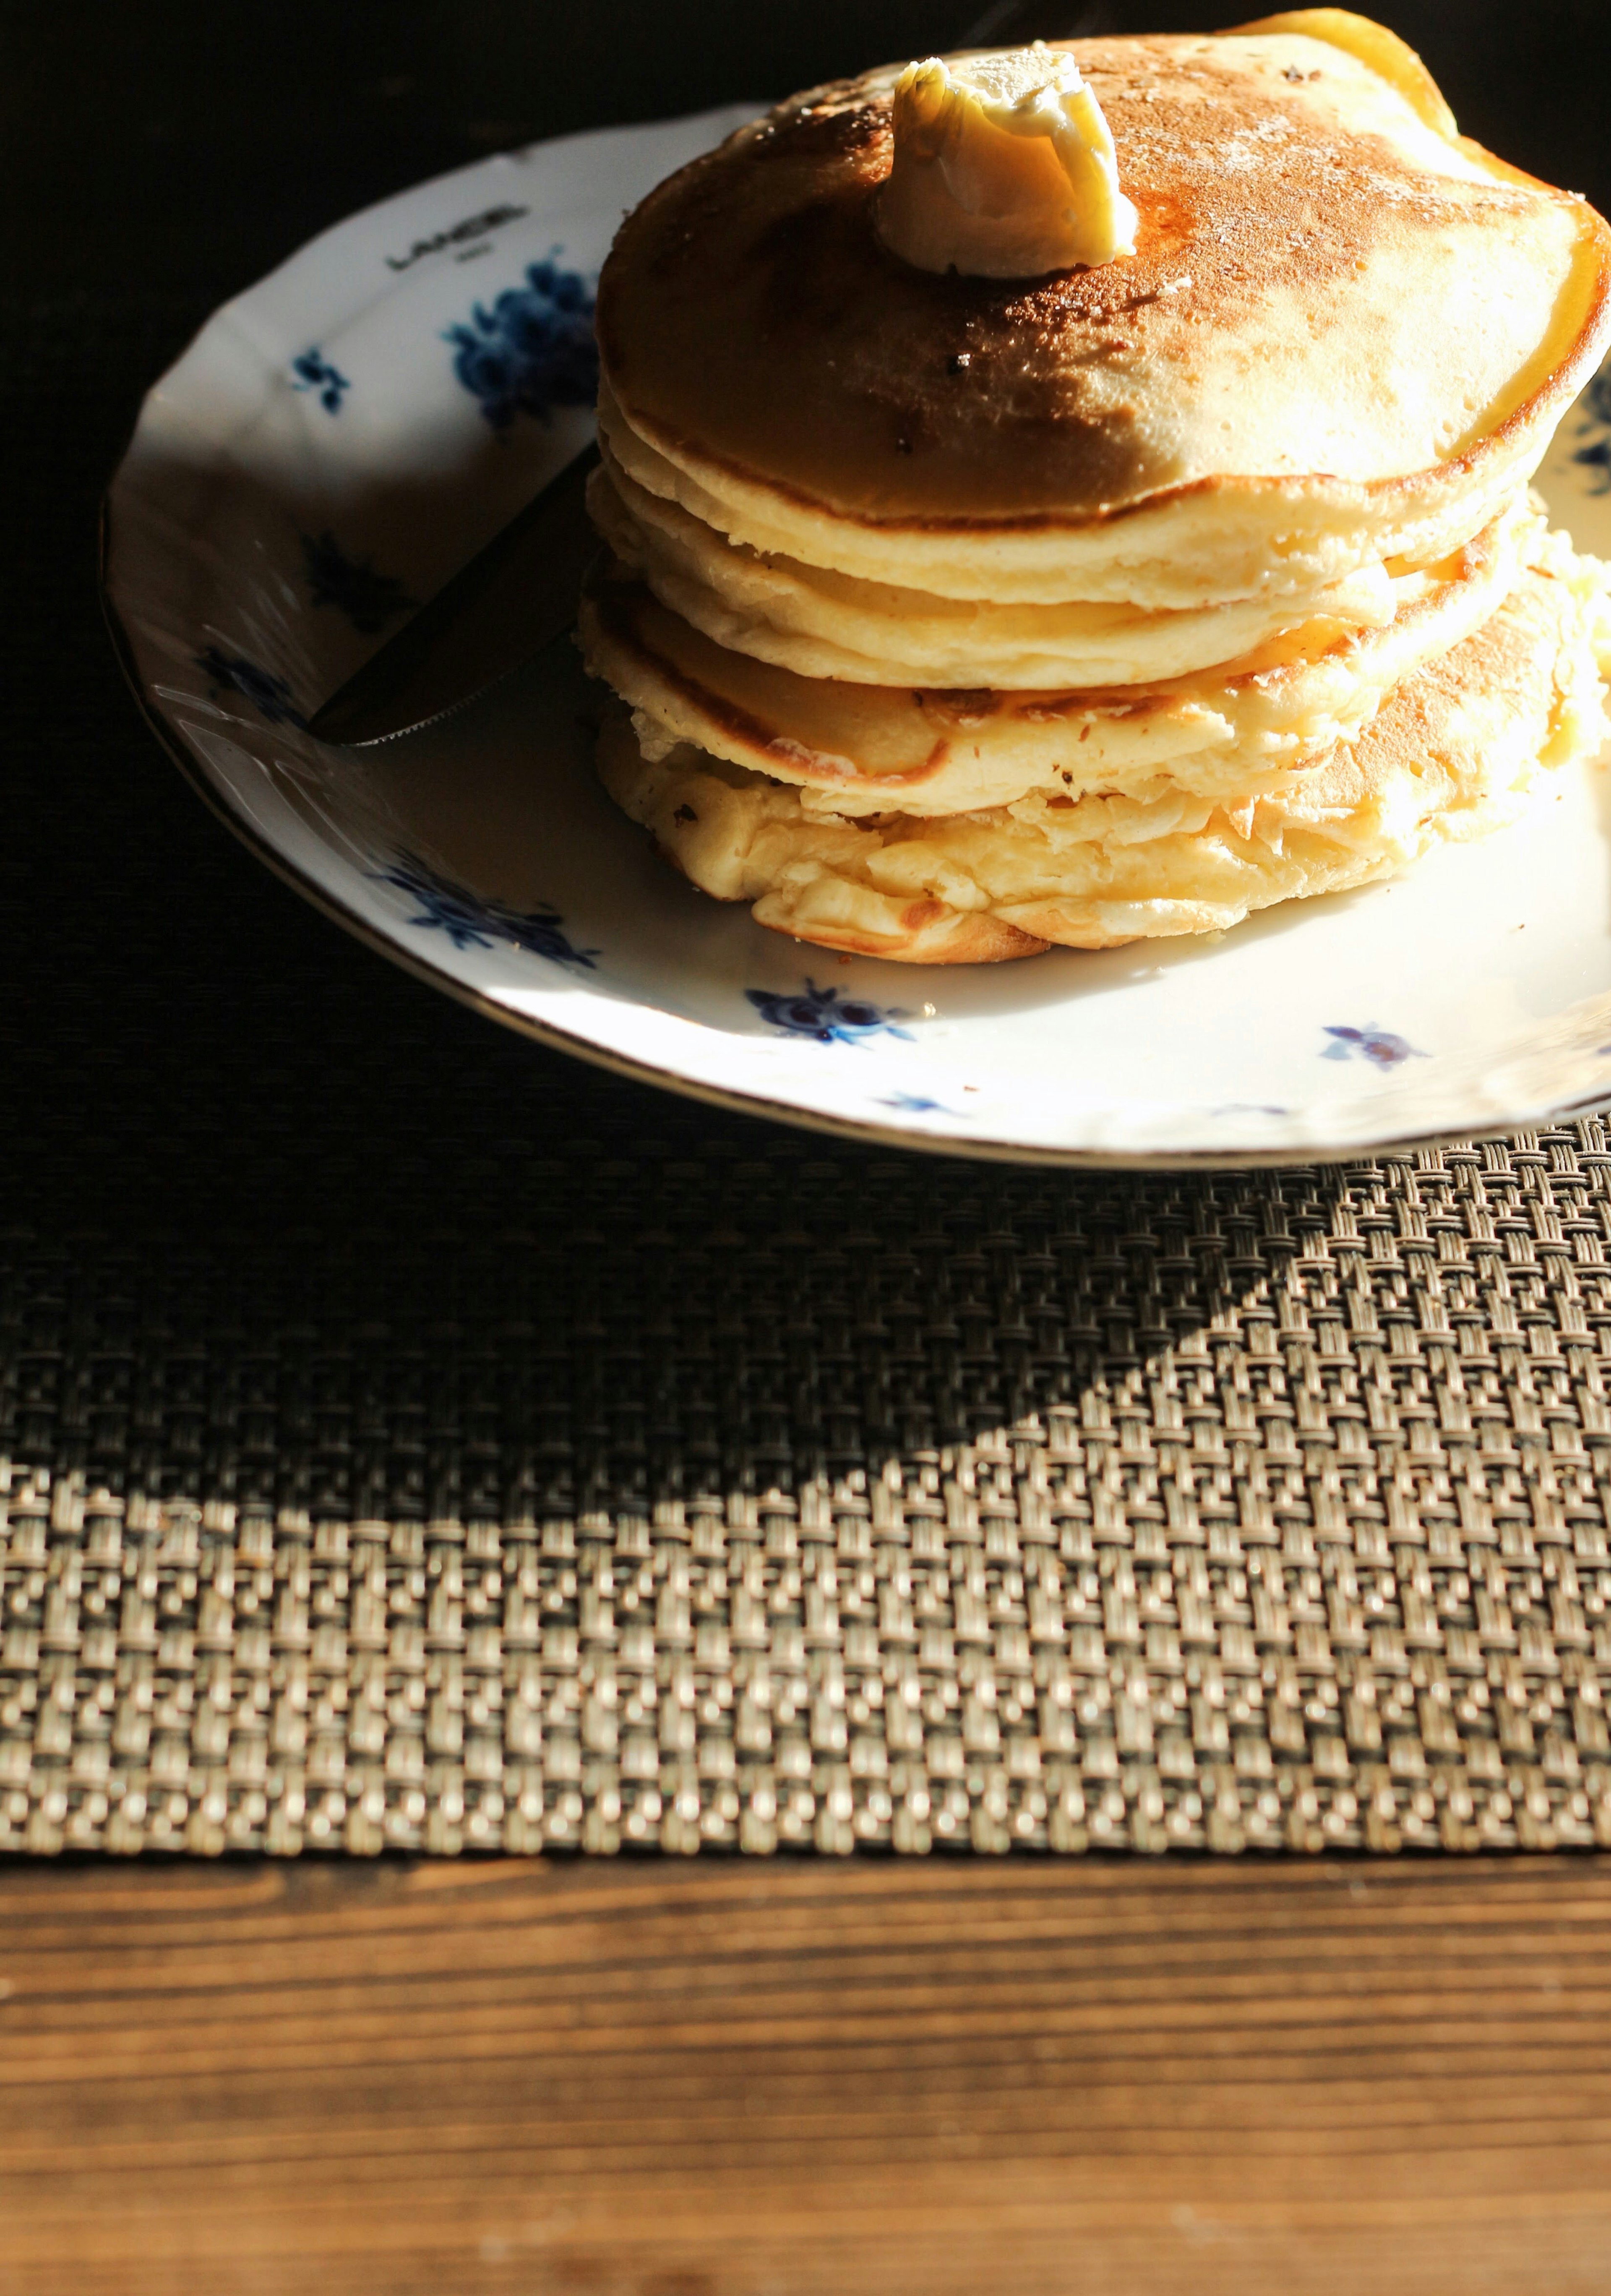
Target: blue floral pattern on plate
<point>270,696</point>
<point>314,371</point>
<point>1379,1047</point>
<point>824,1014</point>
<point>368,598</point>
<point>917,1104</point>
<point>531,348</point>
<point>471,921</point>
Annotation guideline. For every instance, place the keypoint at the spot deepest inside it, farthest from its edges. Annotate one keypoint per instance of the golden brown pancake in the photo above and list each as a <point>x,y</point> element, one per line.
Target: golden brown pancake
<point>950,617</point>
<point>1451,754</point>
<point>946,750</point>
<point>825,624</point>
<point>1338,323</point>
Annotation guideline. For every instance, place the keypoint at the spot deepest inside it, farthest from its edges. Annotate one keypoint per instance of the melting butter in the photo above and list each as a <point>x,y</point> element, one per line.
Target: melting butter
<point>1003,167</point>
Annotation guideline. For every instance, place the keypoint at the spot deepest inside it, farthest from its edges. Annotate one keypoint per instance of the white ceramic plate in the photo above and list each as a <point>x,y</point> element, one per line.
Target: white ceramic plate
<point>342,436</point>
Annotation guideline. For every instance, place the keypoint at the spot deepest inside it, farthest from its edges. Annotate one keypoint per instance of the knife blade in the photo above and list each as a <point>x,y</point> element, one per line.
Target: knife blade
<point>515,597</point>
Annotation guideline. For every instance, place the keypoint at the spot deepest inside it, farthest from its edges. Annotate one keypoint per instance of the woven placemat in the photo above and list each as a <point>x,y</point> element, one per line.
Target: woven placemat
<point>809,1496</point>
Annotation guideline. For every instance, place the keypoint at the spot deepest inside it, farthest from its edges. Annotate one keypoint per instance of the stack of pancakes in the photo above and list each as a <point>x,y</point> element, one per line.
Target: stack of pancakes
<point>949,616</point>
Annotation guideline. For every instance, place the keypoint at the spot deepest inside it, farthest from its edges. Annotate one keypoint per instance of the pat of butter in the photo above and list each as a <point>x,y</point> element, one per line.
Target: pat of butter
<point>1003,167</point>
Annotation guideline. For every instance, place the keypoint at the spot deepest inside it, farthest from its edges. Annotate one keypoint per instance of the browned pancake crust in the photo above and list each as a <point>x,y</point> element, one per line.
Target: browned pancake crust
<point>748,312</point>
<point>1450,755</point>
<point>892,738</point>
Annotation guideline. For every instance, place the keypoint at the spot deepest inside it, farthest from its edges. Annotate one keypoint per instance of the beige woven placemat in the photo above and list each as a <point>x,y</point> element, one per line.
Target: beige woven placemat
<point>827,1499</point>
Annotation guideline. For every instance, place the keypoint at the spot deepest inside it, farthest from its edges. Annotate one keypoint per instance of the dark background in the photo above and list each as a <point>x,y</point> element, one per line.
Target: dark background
<point>168,148</point>
<point>216,1106</point>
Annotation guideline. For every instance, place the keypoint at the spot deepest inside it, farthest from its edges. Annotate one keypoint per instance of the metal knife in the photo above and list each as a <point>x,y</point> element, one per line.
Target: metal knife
<point>515,597</point>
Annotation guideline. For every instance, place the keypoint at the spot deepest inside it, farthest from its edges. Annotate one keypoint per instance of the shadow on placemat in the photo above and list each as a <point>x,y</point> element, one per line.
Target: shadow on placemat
<point>706,1486</point>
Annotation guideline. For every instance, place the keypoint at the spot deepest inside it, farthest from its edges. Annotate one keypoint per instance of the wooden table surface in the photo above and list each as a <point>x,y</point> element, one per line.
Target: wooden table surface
<point>769,2079</point>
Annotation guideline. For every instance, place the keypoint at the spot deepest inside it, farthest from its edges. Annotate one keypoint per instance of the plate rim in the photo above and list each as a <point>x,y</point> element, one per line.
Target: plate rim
<point>971,1148</point>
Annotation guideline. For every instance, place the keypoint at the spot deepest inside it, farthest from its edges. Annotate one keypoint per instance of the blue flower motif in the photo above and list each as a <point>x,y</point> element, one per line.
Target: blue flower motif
<point>822,1013</point>
<point>532,349</point>
<point>313,372</point>
<point>1377,1046</point>
<point>270,696</point>
<point>914,1104</point>
<point>368,599</point>
<point>470,921</point>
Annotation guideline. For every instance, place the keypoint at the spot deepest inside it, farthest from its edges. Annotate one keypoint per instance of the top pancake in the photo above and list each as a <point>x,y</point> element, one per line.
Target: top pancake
<point>1337,317</point>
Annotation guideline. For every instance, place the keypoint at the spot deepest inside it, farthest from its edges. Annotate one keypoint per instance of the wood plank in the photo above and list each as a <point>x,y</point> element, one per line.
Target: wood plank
<point>783,2078</point>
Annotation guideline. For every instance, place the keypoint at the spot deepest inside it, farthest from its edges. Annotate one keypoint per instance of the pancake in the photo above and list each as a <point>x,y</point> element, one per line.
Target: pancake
<point>952,616</point>
<point>936,751</point>
<point>1452,753</point>
<point>1253,402</point>
<point>824,623</point>
<point>1167,553</point>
